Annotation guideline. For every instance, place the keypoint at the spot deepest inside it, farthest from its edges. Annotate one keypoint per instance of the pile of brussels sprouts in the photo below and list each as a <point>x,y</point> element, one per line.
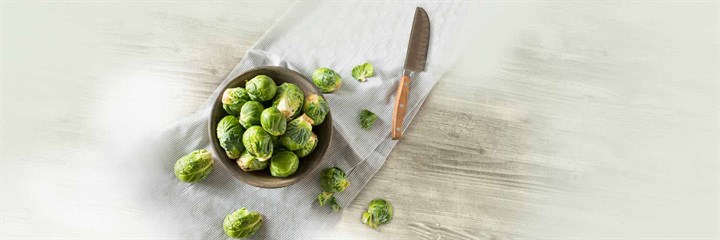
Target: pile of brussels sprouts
<point>270,126</point>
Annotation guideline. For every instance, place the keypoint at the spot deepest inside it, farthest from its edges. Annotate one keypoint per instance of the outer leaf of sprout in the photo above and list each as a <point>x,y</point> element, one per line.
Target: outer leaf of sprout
<point>367,119</point>
<point>363,71</point>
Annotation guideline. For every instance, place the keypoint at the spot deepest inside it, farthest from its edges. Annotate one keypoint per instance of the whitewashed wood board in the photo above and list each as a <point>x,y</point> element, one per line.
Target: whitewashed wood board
<point>563,120</point>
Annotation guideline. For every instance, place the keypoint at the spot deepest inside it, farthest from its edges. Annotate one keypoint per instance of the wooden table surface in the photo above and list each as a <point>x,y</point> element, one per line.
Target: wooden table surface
<point>563,120</point>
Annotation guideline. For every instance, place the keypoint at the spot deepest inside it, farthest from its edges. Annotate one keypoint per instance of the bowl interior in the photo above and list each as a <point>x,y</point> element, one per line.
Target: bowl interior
<point>262,178</point>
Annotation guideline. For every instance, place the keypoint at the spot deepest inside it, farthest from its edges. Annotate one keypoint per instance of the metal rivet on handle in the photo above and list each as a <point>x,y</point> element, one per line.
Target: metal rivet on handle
<point>401,105</point>
<point>397,129</point>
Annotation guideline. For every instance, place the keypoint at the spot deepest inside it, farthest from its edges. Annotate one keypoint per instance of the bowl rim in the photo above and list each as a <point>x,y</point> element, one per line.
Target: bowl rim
<point>236,171</point>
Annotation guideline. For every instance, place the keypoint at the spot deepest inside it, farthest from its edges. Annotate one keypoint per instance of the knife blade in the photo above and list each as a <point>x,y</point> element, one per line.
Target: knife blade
<point>415,61</point>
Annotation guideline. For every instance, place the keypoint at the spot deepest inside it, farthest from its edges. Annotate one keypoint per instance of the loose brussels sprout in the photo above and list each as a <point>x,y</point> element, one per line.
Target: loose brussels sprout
<point>284,164</point>
<point>363,71</point>
<point>248,162</point>
<point>308,147</point>
<point>326,79</point>
<point>258,143</point>
<point>297,133</point>
<point>233,99</point>
<point>273,121</point>
<point>229,133</point>
<point>333,180</point>
<point>242,223</point>
<point>195,166</point>
<point>289,100</point>
<point>327,198</point>
<point>367,119</point>
<point>250,114</point>
<point>316,108</point>
<point>261,88</point>
<point>379,212</point>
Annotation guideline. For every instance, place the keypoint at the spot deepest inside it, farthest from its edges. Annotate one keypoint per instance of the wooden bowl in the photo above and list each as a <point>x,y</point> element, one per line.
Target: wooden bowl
<point>262,178</point>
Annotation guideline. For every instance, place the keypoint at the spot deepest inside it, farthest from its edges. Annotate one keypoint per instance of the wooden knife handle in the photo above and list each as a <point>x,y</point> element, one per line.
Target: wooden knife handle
<point>400,107</point>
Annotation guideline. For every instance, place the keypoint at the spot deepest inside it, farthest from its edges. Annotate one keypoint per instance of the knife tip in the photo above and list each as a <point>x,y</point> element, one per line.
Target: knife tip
<point>420,10</point>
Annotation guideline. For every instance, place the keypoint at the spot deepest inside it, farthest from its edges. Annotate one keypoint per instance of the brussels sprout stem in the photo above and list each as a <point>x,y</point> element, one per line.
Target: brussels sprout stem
<point>307,119</point>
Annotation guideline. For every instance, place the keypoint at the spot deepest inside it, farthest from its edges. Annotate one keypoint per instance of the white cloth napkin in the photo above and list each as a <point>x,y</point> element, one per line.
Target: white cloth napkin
<point>310,35</point>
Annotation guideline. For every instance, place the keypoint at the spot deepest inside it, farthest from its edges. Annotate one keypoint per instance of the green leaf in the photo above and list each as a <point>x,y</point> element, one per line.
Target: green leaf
<point>325,198</point>
<point>367,119</point>
<point>334,205</point>
<point>367,219</point>
<point>363,71</point>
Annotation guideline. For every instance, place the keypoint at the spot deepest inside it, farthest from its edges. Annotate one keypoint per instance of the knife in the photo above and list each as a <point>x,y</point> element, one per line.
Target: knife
<point>414,62</point>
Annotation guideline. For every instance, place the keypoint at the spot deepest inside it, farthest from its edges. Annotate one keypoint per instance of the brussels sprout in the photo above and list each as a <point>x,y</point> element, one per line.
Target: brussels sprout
<point>248,162</point>
<point>284,164</point>
<point>326,79</point>
<point>297,133</point>
<point>229,133</point>
<point>195,166</point>
<point>308,147</point>
<point>233,99</point>
<point>250,114</point>
<point>258,143</point>
<point>327,198</point>
<point>316,108</point>
<point>333,180</point>
<point>379,212</point>
<point>367,119</point>
<point>261,88</point>
<point>363,71</point>
<point>242,223</point>
<point>273,121</point>
<point>289,100</point>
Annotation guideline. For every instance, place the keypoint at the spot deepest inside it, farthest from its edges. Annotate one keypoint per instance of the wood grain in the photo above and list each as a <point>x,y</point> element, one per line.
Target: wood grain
<point>398,117</point>
<point>563,120</point>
